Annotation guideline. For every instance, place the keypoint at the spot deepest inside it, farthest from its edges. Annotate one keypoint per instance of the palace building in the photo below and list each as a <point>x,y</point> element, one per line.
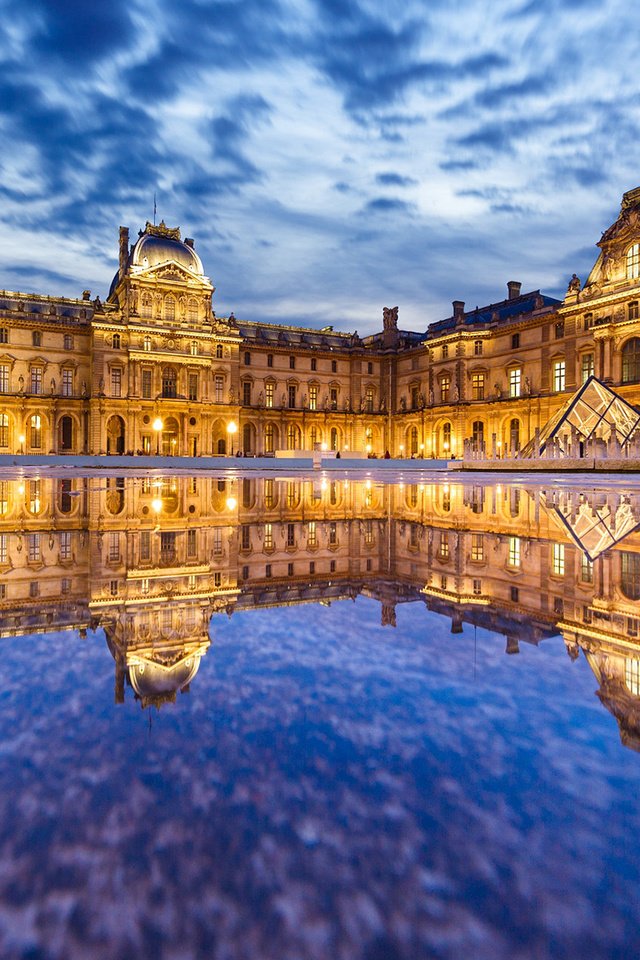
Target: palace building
<point>152,369</point>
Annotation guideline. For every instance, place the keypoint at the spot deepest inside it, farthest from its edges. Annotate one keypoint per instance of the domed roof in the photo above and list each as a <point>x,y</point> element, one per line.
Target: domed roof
<point>158,244</point>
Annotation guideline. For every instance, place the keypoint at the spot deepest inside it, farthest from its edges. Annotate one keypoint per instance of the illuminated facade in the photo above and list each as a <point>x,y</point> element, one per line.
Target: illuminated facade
<point>153,370</point>
<point>151,561</point>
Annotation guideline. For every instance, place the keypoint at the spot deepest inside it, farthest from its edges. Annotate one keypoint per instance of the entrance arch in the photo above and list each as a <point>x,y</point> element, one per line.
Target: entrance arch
<point>171,437</point>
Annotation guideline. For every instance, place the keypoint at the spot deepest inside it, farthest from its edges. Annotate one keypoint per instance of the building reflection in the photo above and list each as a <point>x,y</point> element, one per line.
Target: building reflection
<point>151,560</point>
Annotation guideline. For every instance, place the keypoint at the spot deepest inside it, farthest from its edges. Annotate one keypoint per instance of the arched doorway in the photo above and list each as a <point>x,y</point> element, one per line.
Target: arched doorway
<point>477,435</point>
<point>65,434</point>
<point>115,435</point>
<point>443,441</point>
<point>412,441</point>
<point>170,438</point>
<point>221,447</point>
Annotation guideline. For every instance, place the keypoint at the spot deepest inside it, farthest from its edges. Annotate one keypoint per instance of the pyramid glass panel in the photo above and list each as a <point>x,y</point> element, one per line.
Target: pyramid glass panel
<point>594,411</point>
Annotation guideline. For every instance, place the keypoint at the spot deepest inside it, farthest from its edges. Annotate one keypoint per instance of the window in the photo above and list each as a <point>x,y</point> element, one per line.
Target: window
<point>36,379</point>
<point>33,549</point>
<point>515,341</point>
<point>167,547</point>
<point>313,437</point>
<point>446,437</point>
<point>445,351</point>
<point>67,383</point>
<point>313,398</point>
<point>415,397</point>
<point>334,366</point>
<point>633,261</point>
<point>146,305</point>
<point>35,431</point>
<point>114,547</point>
<point>477,587</point>
<point>192,543</point>
<point>515,382</point>
<point>169,307</point>
<point>269,359</point>
<point>116,382</point>
<point>169,382</point>
<point>443,552</point>
<point>145,545</point>
<point>557,559</point>
<point>587,366</point>
<point>292,363</point>
<point>292,396</point>
<point>4,497</point>
<point>332,566</point>
<point>36,338</point>
<point>333,534</point>
<point>34,589</point>
<point>218,385</point>
<point>515,594</point>
<point>267,570</point>
<point>631,361</point>
<point>4,378</point>
<point>368,400</point>
<point>312,536</point>
<point>588,321</point>
<point>146,384</point>
<point>445,387</point>
<point>4,430</point>
<point>268,536</point>
<point>333,399</point>
<point>113,588</point>
<point>291,534</point>
<point>477,385</point>
<point>146,344</point>
<point>632,310</point>
<point>268,438</point>
<point>369,368</point>
<point>291,436</point>
<point>4,335</point>
<point>245,537</point>
<point>269,387</point>
<point>246,393</point>
<point>558,330</point>
<point>477,547</point>
<point>218,351</point>
<point>312,567</point>
<point>4,552</point>
<point>477,348</point>
<point>559,375</point>
<point>67,341</point>
<point>193,348</point>
<point>34,496</point>
<point>586,569</point>
<point>247,359</point>
<point>514,552</point>
<point>477,433</point>
<point>64,544</point>
<point>192,310</point>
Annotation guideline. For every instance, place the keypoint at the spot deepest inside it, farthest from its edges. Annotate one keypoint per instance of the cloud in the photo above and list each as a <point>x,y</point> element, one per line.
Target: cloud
<point>391,179</point>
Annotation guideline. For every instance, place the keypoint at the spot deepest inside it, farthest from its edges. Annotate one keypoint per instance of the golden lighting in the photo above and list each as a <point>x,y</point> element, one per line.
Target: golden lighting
<point>156,504</point>
<point>232,427</point>
<point>232,503</point>
<point>158,424</point>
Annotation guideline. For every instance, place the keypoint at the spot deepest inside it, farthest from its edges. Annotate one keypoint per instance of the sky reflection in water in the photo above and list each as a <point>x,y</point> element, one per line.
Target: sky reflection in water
<point>330,787</point>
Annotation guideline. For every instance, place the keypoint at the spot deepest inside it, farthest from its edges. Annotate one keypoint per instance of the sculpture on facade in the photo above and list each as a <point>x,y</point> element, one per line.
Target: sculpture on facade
<point>574,284</point>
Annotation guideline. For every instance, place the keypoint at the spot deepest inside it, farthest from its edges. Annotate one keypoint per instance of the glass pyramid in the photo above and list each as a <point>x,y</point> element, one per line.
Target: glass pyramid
<point>594,410</point>
<point>594,522</point>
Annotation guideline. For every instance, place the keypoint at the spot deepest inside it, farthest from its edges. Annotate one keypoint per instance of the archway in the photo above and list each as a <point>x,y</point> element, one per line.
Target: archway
<point>170,437</point>
<point>65,434</point>
<point>115,435</point>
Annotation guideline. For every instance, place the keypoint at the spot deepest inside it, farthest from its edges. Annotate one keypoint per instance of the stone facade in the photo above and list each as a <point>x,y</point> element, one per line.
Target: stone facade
<point>152,369</point>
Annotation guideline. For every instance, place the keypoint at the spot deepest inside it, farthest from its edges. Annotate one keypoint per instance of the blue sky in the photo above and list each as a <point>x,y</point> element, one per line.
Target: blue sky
<point>330,158</point>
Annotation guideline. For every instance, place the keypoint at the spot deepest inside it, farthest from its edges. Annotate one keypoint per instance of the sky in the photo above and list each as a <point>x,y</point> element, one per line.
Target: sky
<point>330,157</point>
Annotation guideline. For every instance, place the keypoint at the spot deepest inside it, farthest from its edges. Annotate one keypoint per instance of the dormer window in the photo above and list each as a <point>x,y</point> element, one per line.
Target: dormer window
<point>633,261</point>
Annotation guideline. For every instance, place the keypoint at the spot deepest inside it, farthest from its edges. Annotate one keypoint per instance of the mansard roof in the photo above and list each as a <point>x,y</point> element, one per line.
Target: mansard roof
<point>506,311</point>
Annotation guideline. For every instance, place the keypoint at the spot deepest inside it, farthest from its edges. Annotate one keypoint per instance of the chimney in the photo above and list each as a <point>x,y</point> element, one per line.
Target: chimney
<point>513,287</point>
<point>124,250</point>
<point>189,241</point>
<point>458,311</point>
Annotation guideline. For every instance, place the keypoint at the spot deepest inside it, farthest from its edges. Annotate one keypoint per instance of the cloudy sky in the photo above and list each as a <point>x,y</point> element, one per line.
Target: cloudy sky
<point>330,157</point>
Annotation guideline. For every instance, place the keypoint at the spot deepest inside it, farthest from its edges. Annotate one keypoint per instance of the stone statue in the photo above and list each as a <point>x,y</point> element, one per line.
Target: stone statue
<point>390,318</point>
<point>498,390</point>
<point>574,284</point>
<point>431,396</point>
<point>527,387</point>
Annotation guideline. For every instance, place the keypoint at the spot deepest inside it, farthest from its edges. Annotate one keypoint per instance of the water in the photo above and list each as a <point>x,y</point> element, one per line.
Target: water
<point>425,745</point>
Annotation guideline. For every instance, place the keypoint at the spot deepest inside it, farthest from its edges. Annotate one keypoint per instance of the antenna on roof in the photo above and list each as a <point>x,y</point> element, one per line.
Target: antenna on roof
<point>154,208</point>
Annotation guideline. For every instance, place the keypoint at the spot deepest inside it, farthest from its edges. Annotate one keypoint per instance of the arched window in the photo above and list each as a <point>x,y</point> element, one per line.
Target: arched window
<point>268,438</point>
<point>413,442</point>
<point>35,431</point>
<point>66,433</point>
<point>334,438</point>
<point>633,261</point>
<point>194,348</point>
<point>291,437</point>
<point>630,579</point>
<point>169,307</point>
<point>631,361</point>
<point>147,305</point>
<point>192,309</point>
<point>4,429</point>
<point>219,351</point>
<point>146,343</point>
<point>514,435</point>
<point>115,341</point>
<point>478,433</point>
<point>446,438</point>
<point>64,496</point>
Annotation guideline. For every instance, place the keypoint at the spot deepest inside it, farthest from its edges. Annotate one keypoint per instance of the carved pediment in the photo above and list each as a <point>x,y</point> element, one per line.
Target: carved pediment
<point>626,227</point>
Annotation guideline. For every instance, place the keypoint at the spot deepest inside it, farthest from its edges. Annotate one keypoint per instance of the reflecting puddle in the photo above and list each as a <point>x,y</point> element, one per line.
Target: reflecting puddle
<point>283,719</point>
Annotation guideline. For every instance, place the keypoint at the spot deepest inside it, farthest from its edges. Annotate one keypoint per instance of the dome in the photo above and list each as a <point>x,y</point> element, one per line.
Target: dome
<point>160,244</point>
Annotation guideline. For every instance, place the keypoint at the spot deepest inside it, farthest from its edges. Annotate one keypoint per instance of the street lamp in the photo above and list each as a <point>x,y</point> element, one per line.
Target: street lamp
<point>22,439</point>
<point>232,429</point>
<point>157,426</point>
<point>422,451</point>
<point>156,504</point>
<point>401,450</point>
<point>232,503</point>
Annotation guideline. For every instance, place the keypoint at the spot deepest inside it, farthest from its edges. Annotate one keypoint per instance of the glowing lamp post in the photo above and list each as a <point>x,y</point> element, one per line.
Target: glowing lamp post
<point>232,429</point>
<point>156,504</point>
<point>22,439</point>
<point>401,450</point>
<point>422,451</point>
<point>157,426</point>
<point>232,503</point>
